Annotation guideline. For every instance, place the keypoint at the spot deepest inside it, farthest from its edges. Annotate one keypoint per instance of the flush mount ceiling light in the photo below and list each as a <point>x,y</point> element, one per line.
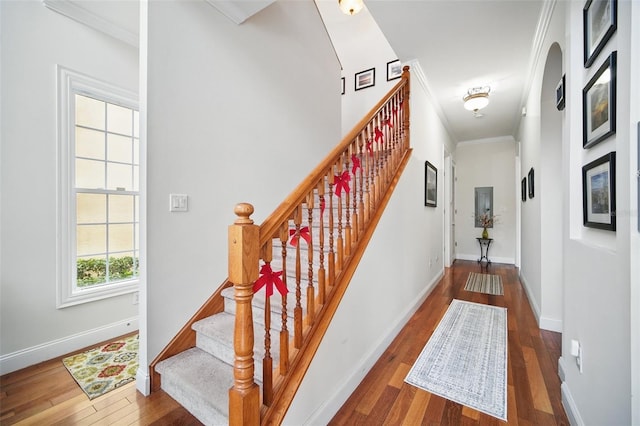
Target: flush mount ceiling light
<point>476,98</point>
<point>350,7</point>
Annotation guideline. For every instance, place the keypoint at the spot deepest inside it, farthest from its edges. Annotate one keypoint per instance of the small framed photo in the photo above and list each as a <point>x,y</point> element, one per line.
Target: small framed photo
<point>394,70</point>
<point>342,83</point>
<point>600,21</point>
<point>560,94</point>
<point>523,189</point>
<point>599,104</point>
<point>530,179</point>
<point>430,185</point>
<point>599,193</point>
<point>365,79</point>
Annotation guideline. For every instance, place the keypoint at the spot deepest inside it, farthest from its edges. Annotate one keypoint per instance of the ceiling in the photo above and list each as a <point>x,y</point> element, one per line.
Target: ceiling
<point>461,44</point>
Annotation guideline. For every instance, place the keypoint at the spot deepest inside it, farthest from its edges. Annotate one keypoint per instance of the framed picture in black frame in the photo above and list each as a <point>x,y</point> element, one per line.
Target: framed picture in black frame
<point>560,94</point>
<point>600,22</point>
<point>599,193</point>
<point>530,181</point>
<point>394,70</point>
<point>599,104</point>
<point>364,79</point>
<point>523,189</point>
<point>430,185</point>
<point>342,83</point>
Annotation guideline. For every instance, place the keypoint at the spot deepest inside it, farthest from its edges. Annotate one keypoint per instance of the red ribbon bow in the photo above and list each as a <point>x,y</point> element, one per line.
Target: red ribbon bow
<point>304,233</point>
<point>370,147</point>
<point>356,164</point>
<point>387,122</point>
<point>269,278</point>
<point>379,134</point>
<point>342,182</point>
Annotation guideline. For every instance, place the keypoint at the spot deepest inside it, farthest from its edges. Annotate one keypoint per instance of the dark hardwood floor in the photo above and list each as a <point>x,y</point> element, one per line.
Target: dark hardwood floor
<point>533,385</point>
<point>46,393</point>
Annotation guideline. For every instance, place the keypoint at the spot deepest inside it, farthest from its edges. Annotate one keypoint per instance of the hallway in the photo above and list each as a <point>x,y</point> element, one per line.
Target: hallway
<point>533,383</point>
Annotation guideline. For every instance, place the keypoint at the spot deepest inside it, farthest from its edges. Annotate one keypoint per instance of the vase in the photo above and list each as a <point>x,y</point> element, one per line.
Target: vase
<point>485,233</point>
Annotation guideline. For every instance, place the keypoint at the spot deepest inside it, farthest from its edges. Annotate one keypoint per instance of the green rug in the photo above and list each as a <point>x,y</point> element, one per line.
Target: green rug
<point>106,367</point>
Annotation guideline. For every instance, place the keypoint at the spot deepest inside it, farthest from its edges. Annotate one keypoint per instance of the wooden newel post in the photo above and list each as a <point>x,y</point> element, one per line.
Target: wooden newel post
<point>244,249</point>
<point>406,114</point>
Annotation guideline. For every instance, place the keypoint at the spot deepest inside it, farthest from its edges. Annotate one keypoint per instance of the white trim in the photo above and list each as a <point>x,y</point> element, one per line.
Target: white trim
<point>325,412</point>
<point>238,12</point>
<point>79,14</point>
<point>551,324</point>
<point>55,348</point>
<point>570,406</point>
<point>532,301</point>
<point>497,139</point>
<point>71,82</point>
<point>143,380</point>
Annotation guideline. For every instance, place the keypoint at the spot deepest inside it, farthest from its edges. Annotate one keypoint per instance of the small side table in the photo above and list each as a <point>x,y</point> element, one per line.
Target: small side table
<point>484,249</point>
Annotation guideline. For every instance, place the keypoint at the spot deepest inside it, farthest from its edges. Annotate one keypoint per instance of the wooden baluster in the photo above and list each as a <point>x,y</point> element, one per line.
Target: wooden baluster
<point>378,169</point>
<point>353,151</point>
<point>347,223</point>
<point>405,103</point>
<point>332,255</point>
<point>339,240</point>
<point>284,331</point>
<point>311,297</point>
<point>267,362</point>
<point>370,165</point>
<point>363,161</point>
<point>244,237</point>
<point>321,271</point>
<point>297,311</point>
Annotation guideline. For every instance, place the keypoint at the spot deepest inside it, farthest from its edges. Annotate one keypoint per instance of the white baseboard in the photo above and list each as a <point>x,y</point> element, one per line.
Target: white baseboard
<point>327,411</point>
<point>532,302</point>
<point>570,406</point>
<point>55,348</point>
<point>143,380</point>
<point>507,260</point>
<point>551,324</point>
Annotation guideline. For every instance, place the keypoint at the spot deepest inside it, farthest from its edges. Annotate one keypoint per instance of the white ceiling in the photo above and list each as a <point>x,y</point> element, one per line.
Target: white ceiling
<point>459,44</point>
<point>467,43</point>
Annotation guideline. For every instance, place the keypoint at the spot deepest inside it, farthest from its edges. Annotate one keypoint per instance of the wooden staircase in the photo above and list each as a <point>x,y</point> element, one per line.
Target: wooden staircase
<point>286,279</point>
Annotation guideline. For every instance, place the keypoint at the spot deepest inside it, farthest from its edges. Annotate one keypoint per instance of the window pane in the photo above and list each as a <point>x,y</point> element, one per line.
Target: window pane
<point>121,208</point>
<point>89,143</point>
<point>136,178</point>
<point>119,119</point>
<point>89,112</point>
<point>119,176</point>
<point>89,174</point>
<point>91,239</point>
<point>119,148</point>
<point>137,237</point>
<point>91,270</point>
<point>120,237</point>
<point>136,151</point>
<point>137,207</point>
<point>122,267</point>
<point>91,208</point>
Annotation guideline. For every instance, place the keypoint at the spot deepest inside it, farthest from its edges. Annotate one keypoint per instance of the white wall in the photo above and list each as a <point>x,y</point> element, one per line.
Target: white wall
<point>596,264</point>
<point>34,40</point>
<point>403,262</point>
<point>488,162</point>
<point>235,113</point>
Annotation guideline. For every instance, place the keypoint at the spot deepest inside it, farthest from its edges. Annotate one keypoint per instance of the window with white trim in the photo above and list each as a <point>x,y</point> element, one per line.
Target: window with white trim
<point>99,190</point>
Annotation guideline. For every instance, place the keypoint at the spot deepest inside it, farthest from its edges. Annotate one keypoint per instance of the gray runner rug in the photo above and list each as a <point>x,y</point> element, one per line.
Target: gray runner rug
<point>465,360</point>
<point>484,283</point>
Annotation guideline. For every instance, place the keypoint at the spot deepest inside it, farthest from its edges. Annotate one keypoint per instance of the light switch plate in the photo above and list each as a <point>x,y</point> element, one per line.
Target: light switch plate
<point>178,202</point>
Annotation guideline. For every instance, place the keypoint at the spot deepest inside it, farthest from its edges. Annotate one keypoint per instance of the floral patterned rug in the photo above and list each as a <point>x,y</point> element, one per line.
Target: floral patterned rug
<point>106,367</point>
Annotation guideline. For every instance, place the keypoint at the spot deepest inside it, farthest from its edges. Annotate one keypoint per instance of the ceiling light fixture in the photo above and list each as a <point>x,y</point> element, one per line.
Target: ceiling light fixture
<point>350,7</point>
<point>476,98</point>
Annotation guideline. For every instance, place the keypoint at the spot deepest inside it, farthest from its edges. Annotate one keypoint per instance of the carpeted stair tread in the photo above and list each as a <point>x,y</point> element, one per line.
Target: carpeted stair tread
<point>200,383</point>
<point>214,335</point>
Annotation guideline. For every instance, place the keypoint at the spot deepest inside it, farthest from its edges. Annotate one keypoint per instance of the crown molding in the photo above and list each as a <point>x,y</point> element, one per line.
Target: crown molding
<point>239,11</point>
<point>79,14</point>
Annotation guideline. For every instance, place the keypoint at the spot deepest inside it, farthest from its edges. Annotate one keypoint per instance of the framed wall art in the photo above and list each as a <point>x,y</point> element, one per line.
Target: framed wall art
<point>530,181</point>
<point>430,185</point>
<point>599,104</point>
<point>342,83</point>
<point>364,79</point>
<point>560,94</point>
<point>394,70</point>
<point>523,189</point>
<point>600,20</point>
<point>599,193</point>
